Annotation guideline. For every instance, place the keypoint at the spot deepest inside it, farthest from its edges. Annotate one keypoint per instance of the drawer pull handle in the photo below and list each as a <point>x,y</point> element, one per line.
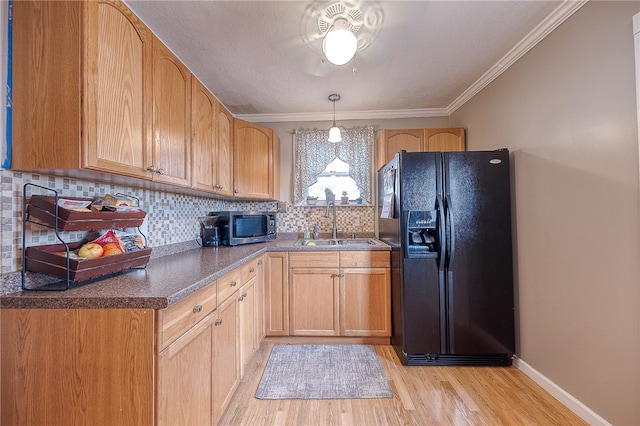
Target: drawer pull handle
<point>218,321</point>
<point>197,309</point>
<point>233,283</point>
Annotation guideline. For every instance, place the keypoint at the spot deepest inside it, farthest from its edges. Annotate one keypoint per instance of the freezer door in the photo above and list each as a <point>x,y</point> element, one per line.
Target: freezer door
<point>422,288</point>
<point>423,323</point>
<point>480,301</point>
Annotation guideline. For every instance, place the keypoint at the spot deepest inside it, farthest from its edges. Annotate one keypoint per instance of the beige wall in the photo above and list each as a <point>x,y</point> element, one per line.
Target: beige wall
<point>567,112</point>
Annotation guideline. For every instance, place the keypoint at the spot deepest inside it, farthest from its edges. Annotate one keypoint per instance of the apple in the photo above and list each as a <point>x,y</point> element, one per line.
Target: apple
<point>90,251</point>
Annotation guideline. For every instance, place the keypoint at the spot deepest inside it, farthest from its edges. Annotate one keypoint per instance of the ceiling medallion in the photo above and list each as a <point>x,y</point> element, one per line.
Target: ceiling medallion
<point>364,19</point>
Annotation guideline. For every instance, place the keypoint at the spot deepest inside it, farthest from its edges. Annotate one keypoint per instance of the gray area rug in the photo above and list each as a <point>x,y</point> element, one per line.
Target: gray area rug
<point>323,372</point>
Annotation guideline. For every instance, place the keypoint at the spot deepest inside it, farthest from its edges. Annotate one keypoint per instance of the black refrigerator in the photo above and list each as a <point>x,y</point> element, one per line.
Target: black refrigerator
<point>447,217</point>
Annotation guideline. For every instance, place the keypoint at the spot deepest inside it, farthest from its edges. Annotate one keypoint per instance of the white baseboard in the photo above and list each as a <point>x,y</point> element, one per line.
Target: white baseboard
<point>573,404</point>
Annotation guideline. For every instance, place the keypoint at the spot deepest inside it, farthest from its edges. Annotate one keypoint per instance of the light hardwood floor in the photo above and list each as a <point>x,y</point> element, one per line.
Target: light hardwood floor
<point>422,396</point>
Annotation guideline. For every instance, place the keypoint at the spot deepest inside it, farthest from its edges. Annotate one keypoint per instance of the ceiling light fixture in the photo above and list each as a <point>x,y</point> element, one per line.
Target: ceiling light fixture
<point>334,131</point>
<point>339,44</point>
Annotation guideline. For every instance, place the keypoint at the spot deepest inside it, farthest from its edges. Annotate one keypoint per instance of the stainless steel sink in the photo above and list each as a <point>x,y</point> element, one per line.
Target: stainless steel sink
<point>358,242</point>
<point>340,242</point>
<point>312,243</point>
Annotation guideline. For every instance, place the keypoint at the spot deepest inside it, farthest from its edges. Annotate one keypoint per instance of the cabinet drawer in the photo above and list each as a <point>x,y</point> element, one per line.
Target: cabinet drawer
<point>229,284</point>
<point>174,320</point>
<point>364,259</point>
<point>249,270</point>
<point>314,260</point>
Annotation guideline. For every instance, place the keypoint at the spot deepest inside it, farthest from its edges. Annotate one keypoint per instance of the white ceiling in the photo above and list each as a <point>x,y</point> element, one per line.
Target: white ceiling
<point>263,59</point>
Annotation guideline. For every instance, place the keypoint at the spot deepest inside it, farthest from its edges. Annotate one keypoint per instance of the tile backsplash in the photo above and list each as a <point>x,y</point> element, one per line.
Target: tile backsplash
<point>171,218</point>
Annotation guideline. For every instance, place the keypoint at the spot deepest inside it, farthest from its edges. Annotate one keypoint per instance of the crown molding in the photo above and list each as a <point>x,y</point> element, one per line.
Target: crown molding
<point>345,115</point>
<point>550,23</point>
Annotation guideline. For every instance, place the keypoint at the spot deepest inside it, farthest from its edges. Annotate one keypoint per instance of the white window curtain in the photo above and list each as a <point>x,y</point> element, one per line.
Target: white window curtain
<point>312,154</point>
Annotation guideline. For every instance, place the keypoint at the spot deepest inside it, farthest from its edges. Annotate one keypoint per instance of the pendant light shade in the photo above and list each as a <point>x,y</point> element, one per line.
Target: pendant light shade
<point>339,44</point>
<point>334,132</point>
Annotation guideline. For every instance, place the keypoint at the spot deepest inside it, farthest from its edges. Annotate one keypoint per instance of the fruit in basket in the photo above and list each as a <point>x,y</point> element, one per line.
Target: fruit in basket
<point>90,251</point>
<point>111,249</point>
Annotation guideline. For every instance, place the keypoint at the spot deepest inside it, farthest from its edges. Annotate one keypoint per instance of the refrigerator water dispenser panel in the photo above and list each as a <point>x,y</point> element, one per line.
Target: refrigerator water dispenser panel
<point>422,234</point>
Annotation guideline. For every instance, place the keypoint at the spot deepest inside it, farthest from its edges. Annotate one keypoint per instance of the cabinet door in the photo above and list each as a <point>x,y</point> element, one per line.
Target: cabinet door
<point>260,310</point>
<point>314,302</point>
<point>252,160</point>
<point>171,117</point>
<point>117,88</point>
<point>76,366</point>
<point>276,292</point>
<point>224,151</point>
<point>203,137</point>
<point>365,308</point>
<point>226,370</point>
<point>186,377</point>
<point>391,141</point>
<point>247,322</point>
<point>444,140</point>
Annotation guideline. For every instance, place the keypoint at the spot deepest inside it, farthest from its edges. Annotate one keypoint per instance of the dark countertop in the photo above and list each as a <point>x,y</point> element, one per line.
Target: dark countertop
<point>165,280</point>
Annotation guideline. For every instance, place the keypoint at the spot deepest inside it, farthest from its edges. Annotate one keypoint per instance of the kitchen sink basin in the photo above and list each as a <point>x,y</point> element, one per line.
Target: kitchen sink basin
<point>358,242</point>
<point>340,242</point>
<point>318,243</point>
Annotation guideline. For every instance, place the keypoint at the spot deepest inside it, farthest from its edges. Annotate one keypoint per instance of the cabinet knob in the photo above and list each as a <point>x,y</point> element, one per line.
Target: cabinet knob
<point>259,262</point>
<point>252,270</point>
<point>218,321</point>
<point>233,283</point>
<point>244,294</point>
<point>235,191</point>
<point>160,171</point>
<point>152,169</point>
<point>197,309</point>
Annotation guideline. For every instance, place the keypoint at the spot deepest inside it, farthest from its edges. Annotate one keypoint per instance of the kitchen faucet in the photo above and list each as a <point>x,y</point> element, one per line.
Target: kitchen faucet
<point>334,230</point>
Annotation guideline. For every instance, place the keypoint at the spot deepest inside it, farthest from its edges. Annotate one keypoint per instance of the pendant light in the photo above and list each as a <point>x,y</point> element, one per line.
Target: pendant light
<point>339,44</point>
<point>334,131</point>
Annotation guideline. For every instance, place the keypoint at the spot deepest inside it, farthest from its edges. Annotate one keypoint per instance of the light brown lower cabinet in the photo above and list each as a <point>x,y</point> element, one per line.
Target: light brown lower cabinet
<point>314,309</point>
<point>276,294</point>
<point>365,303</point>
<point>343,293</point>
<point>226,366</point>
<point>77,366</point>
<point>186,377</point>
<point>247,322</point>
<point>182,364</point>
<point>178,365</point>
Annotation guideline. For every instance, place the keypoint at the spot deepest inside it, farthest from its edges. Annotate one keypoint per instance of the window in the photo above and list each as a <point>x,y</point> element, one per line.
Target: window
<point>344,166</point>
<point>335,177</point>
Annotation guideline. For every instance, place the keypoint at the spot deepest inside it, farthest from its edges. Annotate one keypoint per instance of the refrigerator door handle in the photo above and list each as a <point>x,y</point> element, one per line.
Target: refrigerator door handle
<point>452,231</point>
<point>441,232</point>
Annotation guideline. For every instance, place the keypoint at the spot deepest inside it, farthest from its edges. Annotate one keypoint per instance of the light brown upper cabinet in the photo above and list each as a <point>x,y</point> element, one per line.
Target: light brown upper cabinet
<point>94,89</point>
<point>256,152</point>
<point>211,142</point>
<point>82,87</point>
<point>203,137</point>
<point>171,127</point>
<point>391,141</point>
<point>224,152</point>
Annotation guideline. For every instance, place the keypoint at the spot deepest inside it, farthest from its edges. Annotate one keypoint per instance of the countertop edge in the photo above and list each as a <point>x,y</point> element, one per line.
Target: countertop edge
<point>147,289</point>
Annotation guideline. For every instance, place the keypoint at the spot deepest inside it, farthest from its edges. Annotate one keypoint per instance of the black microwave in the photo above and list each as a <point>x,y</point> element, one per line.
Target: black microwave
<point>245,227</point>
